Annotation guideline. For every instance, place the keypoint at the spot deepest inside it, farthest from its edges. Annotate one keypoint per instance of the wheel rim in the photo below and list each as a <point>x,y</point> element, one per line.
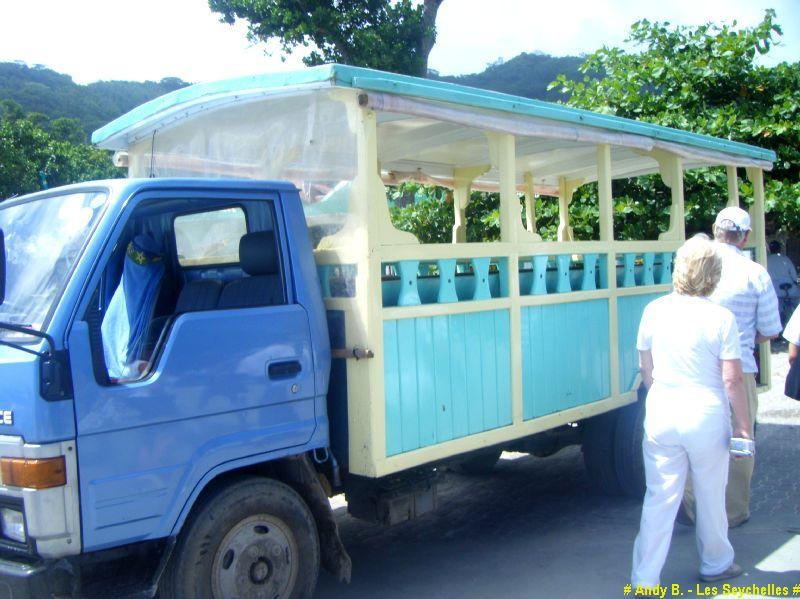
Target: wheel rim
<point>257,558</point>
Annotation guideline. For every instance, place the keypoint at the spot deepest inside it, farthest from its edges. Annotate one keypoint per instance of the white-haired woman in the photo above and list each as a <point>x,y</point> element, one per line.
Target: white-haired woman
<point>690,361</point>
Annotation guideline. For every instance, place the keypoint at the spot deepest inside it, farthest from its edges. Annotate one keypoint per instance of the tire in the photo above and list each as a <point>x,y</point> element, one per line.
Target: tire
<point>598,452</point>
<point>481,463</point>
<point>628,457</point>
<point>252,538</point>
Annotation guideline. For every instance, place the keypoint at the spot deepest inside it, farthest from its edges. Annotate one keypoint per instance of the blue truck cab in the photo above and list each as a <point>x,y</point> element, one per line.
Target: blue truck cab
<point>164,343</point>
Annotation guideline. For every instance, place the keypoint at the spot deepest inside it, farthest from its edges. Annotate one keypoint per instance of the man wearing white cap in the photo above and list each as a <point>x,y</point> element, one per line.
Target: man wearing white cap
<point>745,288</point>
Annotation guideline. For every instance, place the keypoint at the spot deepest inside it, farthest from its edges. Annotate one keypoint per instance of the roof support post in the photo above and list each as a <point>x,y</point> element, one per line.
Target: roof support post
<point>733,186</point>
<point>462,181</point>
<point>670,167</point>
<point>503,156</point>
<point>565,190</point>
<point>502,151</point>
<point>530,206</point>
<point>759,240</point>
<point>606,209</point>
<point>605,199</point>
<point>758,236</point>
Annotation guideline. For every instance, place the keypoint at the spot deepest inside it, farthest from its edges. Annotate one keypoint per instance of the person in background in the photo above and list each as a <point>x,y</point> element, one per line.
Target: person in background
<point>792,334</point>
<point>689,355</point>
<point>745,288</point>
<point>784,279</point>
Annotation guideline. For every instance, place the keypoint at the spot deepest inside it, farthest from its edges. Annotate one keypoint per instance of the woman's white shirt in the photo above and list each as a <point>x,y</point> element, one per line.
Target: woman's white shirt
<point>792,331</point>
<point>688,336</point>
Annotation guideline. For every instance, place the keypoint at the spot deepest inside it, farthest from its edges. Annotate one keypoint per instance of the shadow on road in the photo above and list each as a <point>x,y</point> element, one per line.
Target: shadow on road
<point>534,528</point>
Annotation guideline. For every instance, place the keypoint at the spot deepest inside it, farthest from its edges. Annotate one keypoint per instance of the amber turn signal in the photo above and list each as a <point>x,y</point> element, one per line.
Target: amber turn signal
<point>43,473</point>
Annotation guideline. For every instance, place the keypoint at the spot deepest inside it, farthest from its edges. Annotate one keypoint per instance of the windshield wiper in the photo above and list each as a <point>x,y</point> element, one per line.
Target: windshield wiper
<point>33,333</point>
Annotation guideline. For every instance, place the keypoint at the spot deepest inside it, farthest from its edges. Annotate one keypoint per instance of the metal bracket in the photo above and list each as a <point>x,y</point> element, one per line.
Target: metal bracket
<point>355,353</point>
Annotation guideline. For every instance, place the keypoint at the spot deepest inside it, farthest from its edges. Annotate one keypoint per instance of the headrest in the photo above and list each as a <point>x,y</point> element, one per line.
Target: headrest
<point>144,250</point>
<point>258,254</point>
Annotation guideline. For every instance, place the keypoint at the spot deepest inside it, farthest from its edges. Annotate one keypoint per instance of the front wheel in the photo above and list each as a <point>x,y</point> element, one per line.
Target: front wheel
<point>253,538</point>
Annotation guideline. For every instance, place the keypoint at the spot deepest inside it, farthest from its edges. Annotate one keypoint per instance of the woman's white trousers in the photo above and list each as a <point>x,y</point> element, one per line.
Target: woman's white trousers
<point>677,442</point>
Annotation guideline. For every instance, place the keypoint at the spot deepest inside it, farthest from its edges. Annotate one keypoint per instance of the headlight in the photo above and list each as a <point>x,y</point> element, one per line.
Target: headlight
<point>13,524</point>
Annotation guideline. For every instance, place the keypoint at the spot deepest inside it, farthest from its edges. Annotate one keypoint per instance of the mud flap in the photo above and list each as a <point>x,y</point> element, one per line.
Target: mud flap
<point>301,475</point>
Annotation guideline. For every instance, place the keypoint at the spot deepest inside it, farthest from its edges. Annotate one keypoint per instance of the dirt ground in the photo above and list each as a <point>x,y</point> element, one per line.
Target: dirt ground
<point>534,528</point>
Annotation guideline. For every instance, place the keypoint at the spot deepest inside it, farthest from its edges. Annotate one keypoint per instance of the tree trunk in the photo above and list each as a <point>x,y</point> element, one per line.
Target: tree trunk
<point>429,10</point>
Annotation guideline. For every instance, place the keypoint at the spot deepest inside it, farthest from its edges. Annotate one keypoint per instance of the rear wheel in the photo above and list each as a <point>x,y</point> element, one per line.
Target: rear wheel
<point>598,452</point>
<point>482,462</point>
<point>253,538</point>
<point>628,457</point>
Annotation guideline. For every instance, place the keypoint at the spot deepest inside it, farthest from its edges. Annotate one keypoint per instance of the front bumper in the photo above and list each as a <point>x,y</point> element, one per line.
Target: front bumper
<point>19,580</point>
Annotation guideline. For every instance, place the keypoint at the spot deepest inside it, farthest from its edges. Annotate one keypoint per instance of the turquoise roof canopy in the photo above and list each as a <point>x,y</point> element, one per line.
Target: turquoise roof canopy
<point>158,112</point>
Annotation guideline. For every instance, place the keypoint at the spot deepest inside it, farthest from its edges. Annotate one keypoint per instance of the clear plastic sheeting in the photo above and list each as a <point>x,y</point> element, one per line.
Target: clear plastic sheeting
<point>304,138</point>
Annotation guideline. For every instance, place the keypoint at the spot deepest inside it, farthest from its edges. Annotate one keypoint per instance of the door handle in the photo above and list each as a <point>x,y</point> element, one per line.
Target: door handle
<point>284,370</point>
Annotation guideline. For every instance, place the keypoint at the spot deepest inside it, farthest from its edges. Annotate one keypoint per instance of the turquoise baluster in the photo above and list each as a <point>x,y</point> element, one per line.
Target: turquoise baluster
<point>628,276</point>
<point>539,281</point>
<point>480,270</point>
<point>447,282</point>
<point>665,274</point>
<point>562,263</point>
<point>647,268</point>
<point>502,272</point>
<point>589,281</point>
<point>325,279</point>
<point>604,271</point>
<point>409,294</point>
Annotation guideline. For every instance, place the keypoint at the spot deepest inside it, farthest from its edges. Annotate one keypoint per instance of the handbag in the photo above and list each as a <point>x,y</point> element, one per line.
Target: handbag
<point>792,386</point>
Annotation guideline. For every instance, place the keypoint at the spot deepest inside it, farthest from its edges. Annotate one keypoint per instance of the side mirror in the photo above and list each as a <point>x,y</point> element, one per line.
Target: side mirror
<point>2,266</point>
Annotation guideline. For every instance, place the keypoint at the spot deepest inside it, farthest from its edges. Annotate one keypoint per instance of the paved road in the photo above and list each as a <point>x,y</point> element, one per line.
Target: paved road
<point>534,528</point>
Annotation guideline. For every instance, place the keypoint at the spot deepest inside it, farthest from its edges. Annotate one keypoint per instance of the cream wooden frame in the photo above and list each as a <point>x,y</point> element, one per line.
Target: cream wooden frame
<point>380,243</point>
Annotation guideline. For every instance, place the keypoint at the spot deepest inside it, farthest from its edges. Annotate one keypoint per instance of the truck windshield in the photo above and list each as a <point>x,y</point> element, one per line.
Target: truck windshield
<point>44,238</point>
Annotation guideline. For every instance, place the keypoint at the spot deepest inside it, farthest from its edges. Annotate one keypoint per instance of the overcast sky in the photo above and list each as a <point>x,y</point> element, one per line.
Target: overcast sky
<point>150,39</point>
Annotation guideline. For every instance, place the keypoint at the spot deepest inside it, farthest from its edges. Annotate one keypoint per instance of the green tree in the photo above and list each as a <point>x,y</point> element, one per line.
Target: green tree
<point>704,79</point>
<point>32,158</point>
<point>389,35</point>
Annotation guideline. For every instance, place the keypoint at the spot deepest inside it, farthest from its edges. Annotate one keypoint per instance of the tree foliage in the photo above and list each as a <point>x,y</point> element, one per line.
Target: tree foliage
<point>40,90</point>
<point>36,153</point>
<point>389,35</point>
<point>704,79</point>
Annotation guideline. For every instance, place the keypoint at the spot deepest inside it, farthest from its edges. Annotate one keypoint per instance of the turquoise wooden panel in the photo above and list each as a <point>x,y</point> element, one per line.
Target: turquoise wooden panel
<point>426,382</point>
<point>589,278</point>
<point>391,374</point>
<point>489,370</point>
<point>442,363</point>
<point>579,371</point>
<point>539,284</point>
<point>457,326</point>
<point>409,295</point>
<point>407,367</point>
<point>474,374</point>
<point>325,279</point>
<point>648,259</point>
<point>629,313</point>
<point>563,283</point>
<point>446,377</point>
<point>628,275</point>
<point>480,266</point>
<point>665,270</point>
<point>502,343</point>
<point>447,282</point>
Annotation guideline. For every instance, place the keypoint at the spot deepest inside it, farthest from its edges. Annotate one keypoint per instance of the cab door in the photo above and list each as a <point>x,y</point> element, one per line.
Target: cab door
<point>225,385</point>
